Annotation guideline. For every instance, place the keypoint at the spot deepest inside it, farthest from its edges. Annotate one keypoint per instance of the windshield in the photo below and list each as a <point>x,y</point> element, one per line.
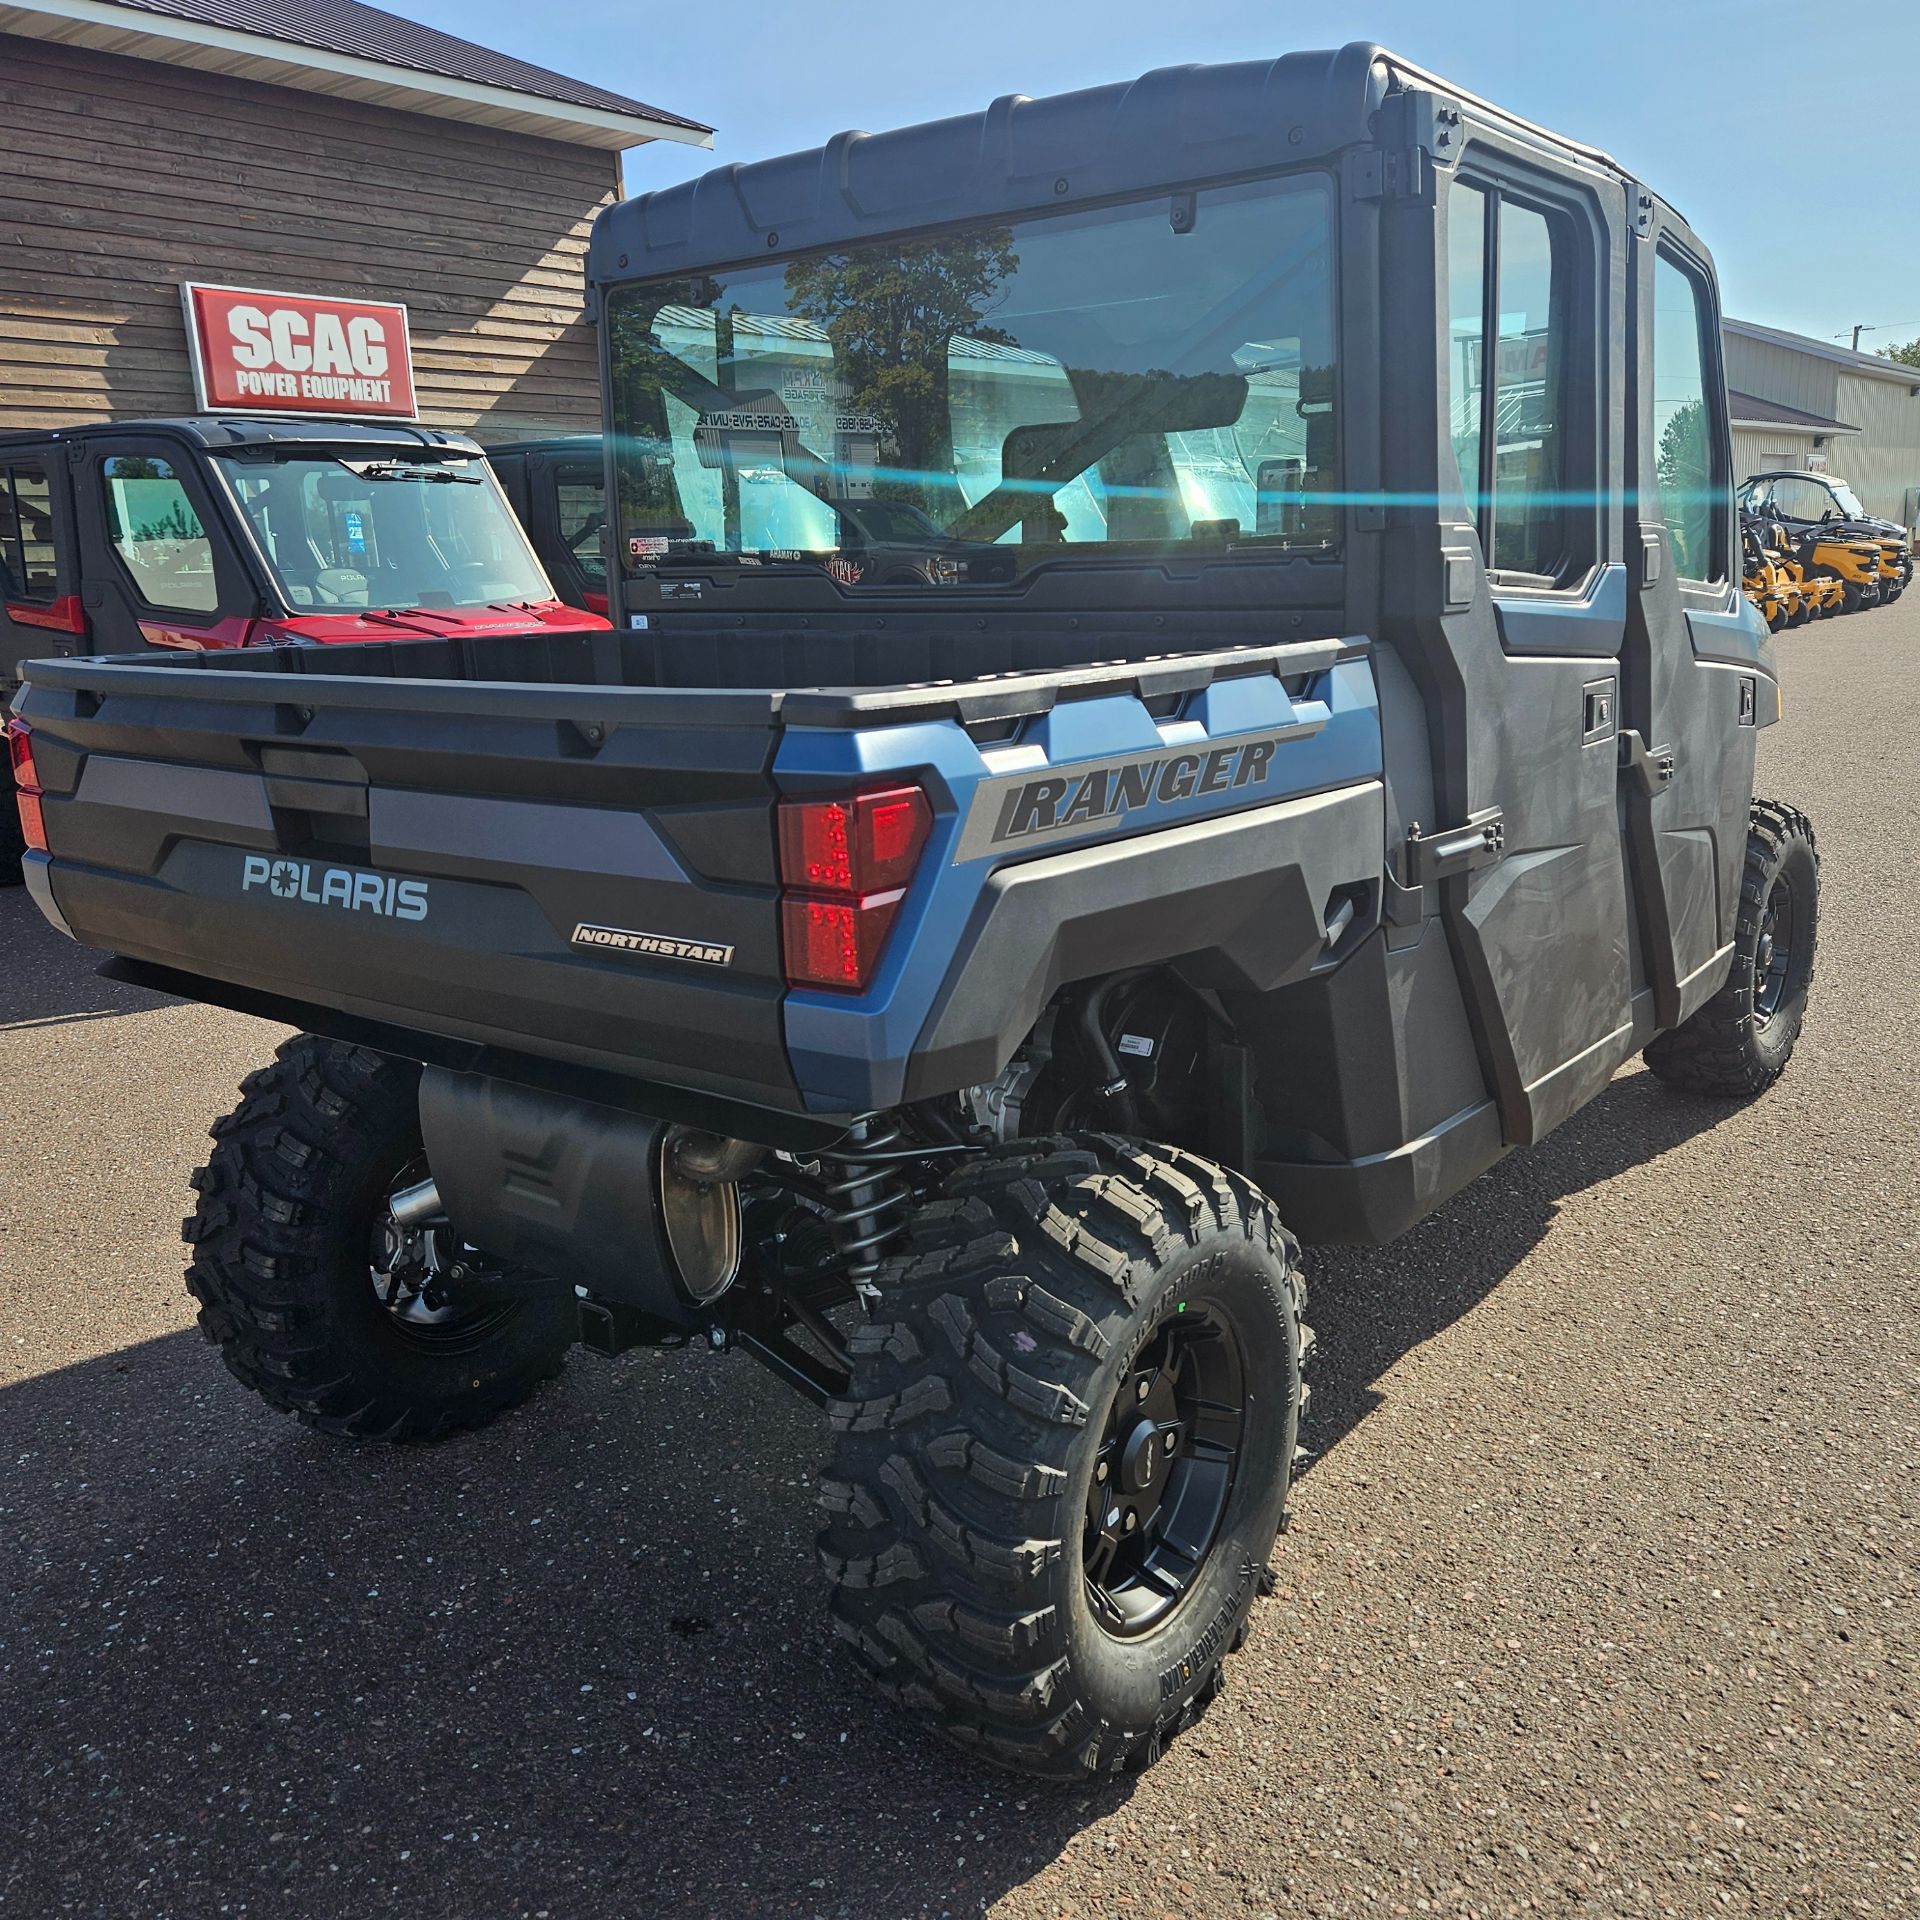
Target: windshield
<point>385,532</point>
<point>962,409</point>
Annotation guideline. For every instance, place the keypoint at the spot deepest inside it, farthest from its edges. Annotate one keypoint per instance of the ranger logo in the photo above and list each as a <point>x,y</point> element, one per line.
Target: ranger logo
<point>657,946</point>
<point>1029,809</point>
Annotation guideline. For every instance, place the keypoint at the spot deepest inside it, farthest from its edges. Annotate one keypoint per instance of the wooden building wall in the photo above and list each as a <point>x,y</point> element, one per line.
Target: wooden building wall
<point>124,177</point>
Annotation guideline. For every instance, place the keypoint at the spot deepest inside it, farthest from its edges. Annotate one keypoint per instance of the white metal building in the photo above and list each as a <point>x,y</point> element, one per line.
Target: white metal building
<point>1816,406</point>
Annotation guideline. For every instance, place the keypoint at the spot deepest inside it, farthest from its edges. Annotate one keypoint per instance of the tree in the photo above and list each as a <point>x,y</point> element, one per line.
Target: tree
<point>1684,465</point>
<point>1908,356</point>
<point>889,315</point>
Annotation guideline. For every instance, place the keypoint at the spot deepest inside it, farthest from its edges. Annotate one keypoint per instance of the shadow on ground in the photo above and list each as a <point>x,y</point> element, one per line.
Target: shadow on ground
<point>574,1664</point>
<point>46,979</point>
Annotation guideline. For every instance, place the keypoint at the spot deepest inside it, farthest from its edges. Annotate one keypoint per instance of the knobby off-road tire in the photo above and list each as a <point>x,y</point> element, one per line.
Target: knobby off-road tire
<point>1053,1282</point>
<point>13,843</point>
<point>290,1205</point>
<point>1739,1043</point>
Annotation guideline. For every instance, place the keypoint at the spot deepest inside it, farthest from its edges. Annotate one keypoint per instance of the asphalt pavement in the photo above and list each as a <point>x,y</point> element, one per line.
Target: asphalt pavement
<point>1601,1596</point>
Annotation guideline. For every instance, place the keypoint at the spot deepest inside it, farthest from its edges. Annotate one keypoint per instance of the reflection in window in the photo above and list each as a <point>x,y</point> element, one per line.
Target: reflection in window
<point>1509,425</point>
<point>26,535</point>
<point>1466,333</point>
<point>1529,533</point>
<point>580,500</point>
<point>1682,424</point>
<point>963,407</point>
<point>155,530</point>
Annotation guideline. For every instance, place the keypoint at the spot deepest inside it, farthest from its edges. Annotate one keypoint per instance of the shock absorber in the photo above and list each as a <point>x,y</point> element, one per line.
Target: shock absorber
<point>866,1198</point>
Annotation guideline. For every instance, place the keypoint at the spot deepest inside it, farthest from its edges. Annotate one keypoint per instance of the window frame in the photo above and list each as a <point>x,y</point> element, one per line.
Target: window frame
<point>1571,223</point>
<point>1713,380</point>
<point>13,555</point>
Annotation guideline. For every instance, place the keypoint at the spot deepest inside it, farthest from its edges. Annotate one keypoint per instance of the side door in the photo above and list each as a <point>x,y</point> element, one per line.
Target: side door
<point>160,565</point>
<point>40,612</point>
<point>1699,679</point>
<point>566,515</point>
<point>1529,257</point>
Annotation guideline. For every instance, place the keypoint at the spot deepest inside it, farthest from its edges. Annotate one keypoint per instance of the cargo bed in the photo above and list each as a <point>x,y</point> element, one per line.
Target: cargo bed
<point>419,842</point>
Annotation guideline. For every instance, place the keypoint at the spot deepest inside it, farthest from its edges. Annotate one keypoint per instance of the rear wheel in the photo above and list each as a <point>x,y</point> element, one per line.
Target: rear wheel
<point>1065,1450</point>
<point>318,1299</point>
<point>13,843</point>
<point>1739,1043</point>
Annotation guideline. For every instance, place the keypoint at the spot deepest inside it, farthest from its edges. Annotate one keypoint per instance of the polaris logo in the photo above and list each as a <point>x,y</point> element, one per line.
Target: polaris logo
<point>658,946</point>
<point>349,888</point>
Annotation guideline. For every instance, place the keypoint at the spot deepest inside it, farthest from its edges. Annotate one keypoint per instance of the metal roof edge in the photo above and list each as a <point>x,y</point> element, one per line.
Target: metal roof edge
<point>168,38</point>
<point>1873,365</point>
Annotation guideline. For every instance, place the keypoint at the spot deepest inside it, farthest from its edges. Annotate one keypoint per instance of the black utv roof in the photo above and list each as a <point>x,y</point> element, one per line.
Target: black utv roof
<point>222,433</point>
<point>1173,126</point>
<point>1828,480</point>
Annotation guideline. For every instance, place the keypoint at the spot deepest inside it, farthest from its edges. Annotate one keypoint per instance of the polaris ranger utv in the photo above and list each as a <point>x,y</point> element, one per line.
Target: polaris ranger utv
<point>1321,756</point>
<point>211,533</point>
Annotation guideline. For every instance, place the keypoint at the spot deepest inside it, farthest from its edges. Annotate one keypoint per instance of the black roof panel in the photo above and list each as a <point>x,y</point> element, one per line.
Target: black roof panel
<point>219,432</point>
<point>1021,155</point>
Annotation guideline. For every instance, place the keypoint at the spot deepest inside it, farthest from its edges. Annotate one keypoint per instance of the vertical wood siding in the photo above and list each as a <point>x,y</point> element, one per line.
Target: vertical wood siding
<point>125,177</point>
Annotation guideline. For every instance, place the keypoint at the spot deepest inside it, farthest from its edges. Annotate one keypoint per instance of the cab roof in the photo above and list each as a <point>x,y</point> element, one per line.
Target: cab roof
<point>222,433</point>
<point>1170,128</point>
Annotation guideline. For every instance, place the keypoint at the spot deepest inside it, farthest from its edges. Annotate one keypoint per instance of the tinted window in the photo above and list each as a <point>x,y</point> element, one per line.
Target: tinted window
<point>1683,421</point>
<point>581,500</point>
<point>1508,420</point>
<point>1466,331</point>
<point>26,534</point>
<point>1529,478</point>
<point>155,530</point>
<point>965,407</point>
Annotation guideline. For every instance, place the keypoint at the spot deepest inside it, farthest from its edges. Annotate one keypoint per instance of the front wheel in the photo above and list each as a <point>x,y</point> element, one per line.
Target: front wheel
<point>317,1297</point>
<point>1739,1043</point>
<point>1065,1450</point>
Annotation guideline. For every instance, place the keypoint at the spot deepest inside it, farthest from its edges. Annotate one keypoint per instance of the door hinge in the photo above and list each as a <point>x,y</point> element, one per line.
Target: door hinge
<point>1650,768</point>
<point>1392,173</point>
<point>1454,850</point>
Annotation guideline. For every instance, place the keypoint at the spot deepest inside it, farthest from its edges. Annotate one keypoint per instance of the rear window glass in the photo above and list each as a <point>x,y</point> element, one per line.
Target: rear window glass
<point>957,410</point>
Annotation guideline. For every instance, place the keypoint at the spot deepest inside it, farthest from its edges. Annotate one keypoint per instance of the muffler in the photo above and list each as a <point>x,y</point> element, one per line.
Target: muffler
<point>636,1210</point>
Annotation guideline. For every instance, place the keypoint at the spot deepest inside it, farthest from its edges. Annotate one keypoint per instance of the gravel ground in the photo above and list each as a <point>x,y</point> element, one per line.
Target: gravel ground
<point>1601,1595</point>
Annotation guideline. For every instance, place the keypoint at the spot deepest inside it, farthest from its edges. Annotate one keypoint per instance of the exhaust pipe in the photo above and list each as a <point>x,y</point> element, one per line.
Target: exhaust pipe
<point>414,1207</point>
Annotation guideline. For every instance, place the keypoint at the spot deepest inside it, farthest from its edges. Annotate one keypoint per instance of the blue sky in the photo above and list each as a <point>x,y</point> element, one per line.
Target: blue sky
<point>1789,145</point>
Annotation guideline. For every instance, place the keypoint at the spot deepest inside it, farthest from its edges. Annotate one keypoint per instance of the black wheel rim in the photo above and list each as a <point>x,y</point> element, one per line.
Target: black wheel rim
<point>1773,957</point>
<point>412,1295</point>
<point>1164,1473</point>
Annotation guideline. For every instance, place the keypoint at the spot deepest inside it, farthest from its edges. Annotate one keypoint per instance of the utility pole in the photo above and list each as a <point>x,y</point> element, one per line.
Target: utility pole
<point>1857,332</point>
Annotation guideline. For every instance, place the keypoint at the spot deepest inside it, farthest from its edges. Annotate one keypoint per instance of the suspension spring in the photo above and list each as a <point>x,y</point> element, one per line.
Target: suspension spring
<point>866,1198</point>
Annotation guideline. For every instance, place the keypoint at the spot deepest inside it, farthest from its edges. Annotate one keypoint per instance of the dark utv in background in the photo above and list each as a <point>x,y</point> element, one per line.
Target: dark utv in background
<point>1317,752</point>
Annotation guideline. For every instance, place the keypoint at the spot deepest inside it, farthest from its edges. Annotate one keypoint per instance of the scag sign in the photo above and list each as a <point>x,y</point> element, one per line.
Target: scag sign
<point>259,352</point>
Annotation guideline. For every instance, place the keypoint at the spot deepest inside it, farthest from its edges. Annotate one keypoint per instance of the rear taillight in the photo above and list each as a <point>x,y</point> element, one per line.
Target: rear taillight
<point>26,780</point>
<point>844,868</point>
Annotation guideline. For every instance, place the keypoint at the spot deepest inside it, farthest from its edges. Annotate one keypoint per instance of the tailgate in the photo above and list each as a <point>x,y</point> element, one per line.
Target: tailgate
<point>584,874</point>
